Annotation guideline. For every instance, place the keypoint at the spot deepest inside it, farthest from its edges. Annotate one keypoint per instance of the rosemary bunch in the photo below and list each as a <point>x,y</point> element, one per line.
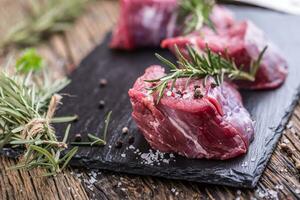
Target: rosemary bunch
<point>27,106</point>
<point>45,19</point>
<point>201,66</point>
<point>194,13</point>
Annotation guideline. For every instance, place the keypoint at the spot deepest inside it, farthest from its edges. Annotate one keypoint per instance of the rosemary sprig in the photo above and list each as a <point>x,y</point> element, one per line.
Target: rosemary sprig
<point>46,18</point>
<point>94,140</point>
<point>203,66</point>
<point>194,13</point>
<point>27,105</point>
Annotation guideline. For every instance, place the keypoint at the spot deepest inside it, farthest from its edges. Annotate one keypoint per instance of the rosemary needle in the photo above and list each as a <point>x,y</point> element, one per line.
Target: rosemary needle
<point>94,140</point>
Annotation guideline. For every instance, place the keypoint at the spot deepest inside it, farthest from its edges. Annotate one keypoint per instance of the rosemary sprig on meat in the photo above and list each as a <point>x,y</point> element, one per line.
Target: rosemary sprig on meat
<point>194,14</point>
<point>27,106</point>
<point>203,66</point>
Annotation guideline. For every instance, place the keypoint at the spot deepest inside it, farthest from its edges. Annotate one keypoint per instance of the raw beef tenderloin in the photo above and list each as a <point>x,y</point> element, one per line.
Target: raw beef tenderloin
<point>146,23</point>
<point>195,121</point>
<point>242,42</point>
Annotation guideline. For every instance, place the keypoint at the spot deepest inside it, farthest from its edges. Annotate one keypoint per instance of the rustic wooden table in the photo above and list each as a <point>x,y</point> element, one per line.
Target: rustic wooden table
<point>64,52</point>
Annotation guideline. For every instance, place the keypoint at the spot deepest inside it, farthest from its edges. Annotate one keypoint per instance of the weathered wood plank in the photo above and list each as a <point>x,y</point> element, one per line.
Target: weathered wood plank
<point>98,19</point>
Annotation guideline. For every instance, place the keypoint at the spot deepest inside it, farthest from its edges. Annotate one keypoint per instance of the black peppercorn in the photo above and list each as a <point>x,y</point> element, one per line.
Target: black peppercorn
<point>179,93</point>
<point>197,93</point>
<point>125,130</point>
<point>102,82</point>
<point>131,140</point>
<point>78,137</point>
<point>213,85</point>
<point>101,104</point>
<point>119,144</point>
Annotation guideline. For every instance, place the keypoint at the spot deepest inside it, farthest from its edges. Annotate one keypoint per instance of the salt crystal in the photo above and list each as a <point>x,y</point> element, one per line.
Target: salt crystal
<point>273,194</point>
<point>78,175</point>
<point>297,191</point>
<point>123,155</point>
<point>92,180</point>
<point>169,93</point>
<point>186,96</point>
<point>249,130</point>
<point>245,164</point>
<point>261,194</point>
<point>94,174</point>
<point>280,187</point>
<point>290,125</point>
<point>239,192</point>
<point>253,159</point>
<point>286,141</point>
<point>152,158</point>
<point>166,161</point>
<point>131,147</point>
<point>173,190</point>
<point>119,184</point>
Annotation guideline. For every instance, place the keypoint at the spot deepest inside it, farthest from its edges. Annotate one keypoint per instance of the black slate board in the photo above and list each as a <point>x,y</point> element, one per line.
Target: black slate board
<point>270,109</point>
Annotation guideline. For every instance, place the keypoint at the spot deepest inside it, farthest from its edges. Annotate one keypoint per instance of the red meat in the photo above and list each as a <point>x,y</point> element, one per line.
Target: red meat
<point>146,23</point>
<point>212,126</point>
<point>242,42</point>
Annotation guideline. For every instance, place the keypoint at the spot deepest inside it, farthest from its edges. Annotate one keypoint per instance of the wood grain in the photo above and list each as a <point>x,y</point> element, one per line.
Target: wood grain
<point>64,52</point>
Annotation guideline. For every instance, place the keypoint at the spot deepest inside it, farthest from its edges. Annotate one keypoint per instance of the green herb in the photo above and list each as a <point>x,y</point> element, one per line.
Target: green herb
<point>29,61</point>
<point>27,106</point>
<point>201,66</point>
<point>195,13</point>
<point>94,140</point>
<point>45,18</point>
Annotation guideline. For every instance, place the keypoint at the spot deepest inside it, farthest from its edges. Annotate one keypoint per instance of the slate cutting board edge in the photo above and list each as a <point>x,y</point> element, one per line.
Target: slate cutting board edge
<point>277,134</point>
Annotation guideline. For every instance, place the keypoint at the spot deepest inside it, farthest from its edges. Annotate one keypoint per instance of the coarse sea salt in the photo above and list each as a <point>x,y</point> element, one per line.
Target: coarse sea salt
<point>245,164</point>
<point>155,157</point>
<point>151,157</point>
<point>290,125</point>
<point>169,93</point>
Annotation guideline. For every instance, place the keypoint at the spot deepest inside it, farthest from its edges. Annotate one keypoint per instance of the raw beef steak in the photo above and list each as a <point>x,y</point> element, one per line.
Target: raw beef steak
<point>146,23</point>
<point>195,121</point>
<point>242,42</point>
